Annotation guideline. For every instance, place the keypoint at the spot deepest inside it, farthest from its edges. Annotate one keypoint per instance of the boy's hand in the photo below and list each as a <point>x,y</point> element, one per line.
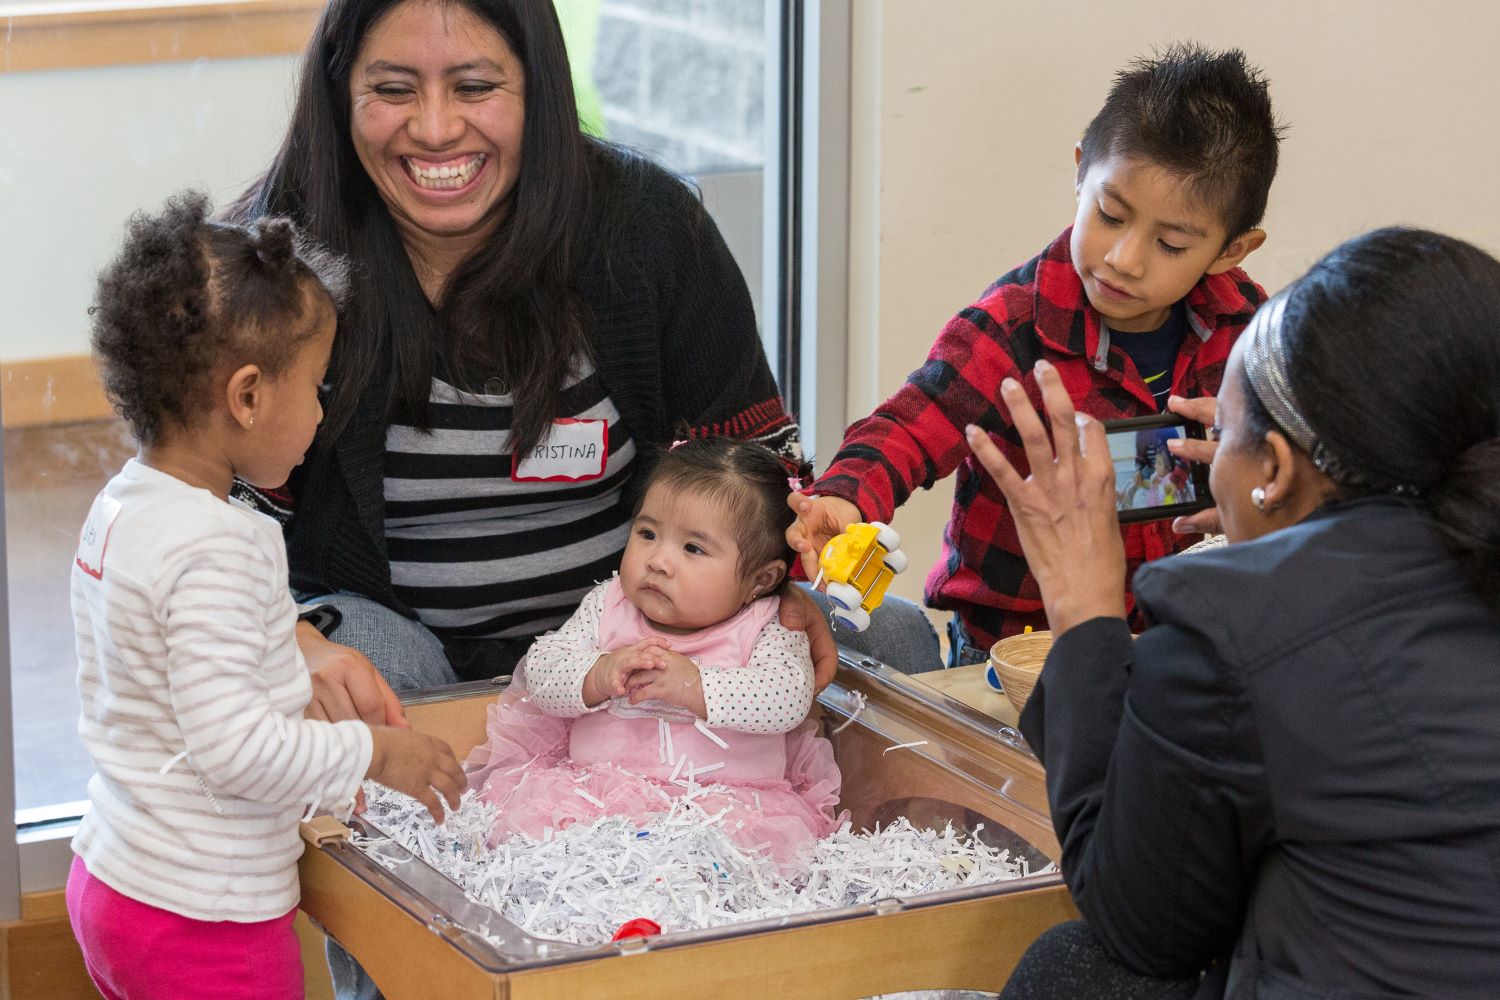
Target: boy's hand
<point>609,676</point>
<point>418,765</point>
<point>677,682</point>
<point>818,520</point>
<point>1203,410</point>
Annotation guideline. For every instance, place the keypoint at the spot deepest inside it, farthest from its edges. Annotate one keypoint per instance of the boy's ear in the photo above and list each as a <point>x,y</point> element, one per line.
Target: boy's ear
<point>1238,249</point>
<point>1077,169</point>
<point>242,394</point>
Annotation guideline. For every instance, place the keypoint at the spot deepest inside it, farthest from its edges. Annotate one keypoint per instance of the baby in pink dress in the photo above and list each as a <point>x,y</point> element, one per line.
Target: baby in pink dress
<point>675,674</point>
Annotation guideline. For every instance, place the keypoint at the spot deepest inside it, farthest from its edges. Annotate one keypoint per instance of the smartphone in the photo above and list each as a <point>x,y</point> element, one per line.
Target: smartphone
<point>1151,482</point>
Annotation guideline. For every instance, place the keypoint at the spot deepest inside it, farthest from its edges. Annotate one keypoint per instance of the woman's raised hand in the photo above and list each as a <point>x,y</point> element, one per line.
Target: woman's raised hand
<point>1203,410</point>
<point>1065,510</point>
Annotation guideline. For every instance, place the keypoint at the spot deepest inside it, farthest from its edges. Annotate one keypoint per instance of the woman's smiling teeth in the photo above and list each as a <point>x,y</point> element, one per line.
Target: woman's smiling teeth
<point>446,177</point>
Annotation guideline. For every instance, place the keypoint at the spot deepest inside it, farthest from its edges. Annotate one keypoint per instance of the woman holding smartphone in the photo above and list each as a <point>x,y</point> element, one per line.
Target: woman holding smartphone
<point>1286,788</point>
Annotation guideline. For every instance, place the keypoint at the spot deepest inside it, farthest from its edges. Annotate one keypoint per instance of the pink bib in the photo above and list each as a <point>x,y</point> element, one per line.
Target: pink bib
<point>619,735</point>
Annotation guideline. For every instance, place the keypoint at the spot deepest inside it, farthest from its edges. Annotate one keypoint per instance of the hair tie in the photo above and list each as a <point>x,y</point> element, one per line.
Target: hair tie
<point>678,444</point>
<point>275,244</point>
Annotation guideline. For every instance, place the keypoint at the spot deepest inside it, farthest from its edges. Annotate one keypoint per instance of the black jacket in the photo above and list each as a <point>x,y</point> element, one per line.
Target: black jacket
<point>1298,765</point>
<point>674,337</point>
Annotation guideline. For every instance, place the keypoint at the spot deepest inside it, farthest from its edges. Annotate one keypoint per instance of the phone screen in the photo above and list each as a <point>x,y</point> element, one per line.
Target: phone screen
<point>1150,481</point>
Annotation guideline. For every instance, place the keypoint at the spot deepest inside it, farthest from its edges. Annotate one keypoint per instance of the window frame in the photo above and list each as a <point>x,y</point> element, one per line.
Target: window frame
<point>90,33</point>
<point>806,245</point>
<point>10,855</point>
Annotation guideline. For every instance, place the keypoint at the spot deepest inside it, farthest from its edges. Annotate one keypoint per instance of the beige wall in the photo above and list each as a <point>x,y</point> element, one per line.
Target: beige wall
<point>965,113</point>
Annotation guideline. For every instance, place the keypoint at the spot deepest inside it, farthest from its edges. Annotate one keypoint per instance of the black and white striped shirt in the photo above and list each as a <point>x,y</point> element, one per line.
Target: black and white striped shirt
<point>474,552</point>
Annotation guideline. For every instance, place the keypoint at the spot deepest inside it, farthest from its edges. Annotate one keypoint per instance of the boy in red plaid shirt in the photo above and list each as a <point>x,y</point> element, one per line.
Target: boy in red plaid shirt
<point>1136,304</point>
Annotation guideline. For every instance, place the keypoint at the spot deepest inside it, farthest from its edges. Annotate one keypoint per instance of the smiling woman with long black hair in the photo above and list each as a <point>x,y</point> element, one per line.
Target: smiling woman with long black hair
<point>534,313</point>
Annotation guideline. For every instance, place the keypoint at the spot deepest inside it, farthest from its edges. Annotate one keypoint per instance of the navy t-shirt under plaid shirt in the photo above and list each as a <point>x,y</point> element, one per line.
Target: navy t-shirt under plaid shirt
<point>1154,352</point>
<point>916,437</point>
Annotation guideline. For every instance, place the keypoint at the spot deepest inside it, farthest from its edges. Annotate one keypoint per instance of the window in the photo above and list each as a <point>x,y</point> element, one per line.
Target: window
<point>108,111</point>
<point>684,82</point>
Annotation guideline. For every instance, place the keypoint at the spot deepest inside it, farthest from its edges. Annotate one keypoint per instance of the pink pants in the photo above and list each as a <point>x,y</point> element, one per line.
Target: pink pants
<point>134,951</point>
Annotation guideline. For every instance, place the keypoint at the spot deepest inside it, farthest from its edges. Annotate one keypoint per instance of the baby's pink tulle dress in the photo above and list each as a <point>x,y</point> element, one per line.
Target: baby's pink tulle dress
<point>778,793</point>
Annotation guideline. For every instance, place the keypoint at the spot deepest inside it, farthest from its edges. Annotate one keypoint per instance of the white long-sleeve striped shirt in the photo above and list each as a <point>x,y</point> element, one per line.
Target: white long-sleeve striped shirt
<point>192,691</point>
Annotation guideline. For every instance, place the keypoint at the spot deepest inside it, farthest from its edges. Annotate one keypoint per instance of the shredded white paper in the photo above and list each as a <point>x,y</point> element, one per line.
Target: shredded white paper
<point>860,701</point>
<point>682,869</point>
<point>702,727</point>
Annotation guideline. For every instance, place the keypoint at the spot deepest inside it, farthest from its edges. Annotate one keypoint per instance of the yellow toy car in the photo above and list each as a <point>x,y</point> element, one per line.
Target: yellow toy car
<point>858,566</point>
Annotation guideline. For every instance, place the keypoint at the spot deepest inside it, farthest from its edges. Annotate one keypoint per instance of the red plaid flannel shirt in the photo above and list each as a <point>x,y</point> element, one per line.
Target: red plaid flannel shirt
<point>916,437</point>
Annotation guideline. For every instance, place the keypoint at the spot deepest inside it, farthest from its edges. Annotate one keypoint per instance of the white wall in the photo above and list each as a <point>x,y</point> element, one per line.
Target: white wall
<point>965,113</point>
<point>81,150</point>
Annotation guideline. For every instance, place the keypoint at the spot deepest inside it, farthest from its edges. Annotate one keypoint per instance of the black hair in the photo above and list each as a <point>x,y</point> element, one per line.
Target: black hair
<point>752,483</point>
<point>187,297</point>
<point>1395,365</point>
<point>510,310</point>
<point>1204,116</point>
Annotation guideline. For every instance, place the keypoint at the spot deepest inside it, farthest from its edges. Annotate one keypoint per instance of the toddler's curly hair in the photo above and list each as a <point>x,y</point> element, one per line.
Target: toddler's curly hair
<point>188,299</point>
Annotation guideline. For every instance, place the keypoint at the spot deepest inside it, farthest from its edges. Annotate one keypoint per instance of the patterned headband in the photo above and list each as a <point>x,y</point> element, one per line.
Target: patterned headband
<point>1268,368</point>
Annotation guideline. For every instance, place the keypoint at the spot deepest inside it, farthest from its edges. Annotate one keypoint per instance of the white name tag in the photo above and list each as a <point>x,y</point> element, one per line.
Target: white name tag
<point>573,452</point>
<point>95,535</point>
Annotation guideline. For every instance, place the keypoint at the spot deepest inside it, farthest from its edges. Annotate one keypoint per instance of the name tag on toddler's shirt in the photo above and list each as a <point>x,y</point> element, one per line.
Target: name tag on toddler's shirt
<point>574,451</point>
<point>95,535</point>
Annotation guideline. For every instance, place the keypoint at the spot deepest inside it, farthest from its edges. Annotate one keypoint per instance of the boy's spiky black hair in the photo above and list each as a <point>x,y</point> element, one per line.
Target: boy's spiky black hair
<point>186,297</point>
<point>1205,116</point>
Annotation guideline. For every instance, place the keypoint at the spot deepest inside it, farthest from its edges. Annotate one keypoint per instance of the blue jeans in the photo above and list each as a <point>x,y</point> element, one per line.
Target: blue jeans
<point>405,652</point>
<point>900,635</point>
<point>961,650</point>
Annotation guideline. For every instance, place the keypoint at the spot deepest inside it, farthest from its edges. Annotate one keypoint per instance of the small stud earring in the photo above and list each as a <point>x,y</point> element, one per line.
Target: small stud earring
<point>252,421</point>
<point>1258,497</point>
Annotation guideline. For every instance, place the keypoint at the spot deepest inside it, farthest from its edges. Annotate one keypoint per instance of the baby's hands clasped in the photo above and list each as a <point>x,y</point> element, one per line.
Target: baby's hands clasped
<point>645,671</point>
<point>676,682</point>
<point>611,673</point>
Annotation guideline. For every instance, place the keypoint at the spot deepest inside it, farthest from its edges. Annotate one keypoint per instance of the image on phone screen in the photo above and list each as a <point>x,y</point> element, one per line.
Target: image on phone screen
<point>1150,481</point>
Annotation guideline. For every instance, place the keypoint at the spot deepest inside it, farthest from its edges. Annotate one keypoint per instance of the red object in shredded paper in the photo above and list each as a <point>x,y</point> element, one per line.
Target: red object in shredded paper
<point>639,927</point>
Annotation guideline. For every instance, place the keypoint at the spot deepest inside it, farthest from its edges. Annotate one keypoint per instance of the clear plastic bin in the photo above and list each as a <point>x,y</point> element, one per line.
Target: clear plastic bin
<point>413,929</point>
